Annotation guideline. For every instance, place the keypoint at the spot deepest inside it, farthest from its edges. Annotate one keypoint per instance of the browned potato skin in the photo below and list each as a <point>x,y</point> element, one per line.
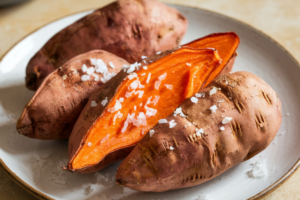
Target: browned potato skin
<point>256,112</point>
<point>55,107</point>
<point>126,28</point>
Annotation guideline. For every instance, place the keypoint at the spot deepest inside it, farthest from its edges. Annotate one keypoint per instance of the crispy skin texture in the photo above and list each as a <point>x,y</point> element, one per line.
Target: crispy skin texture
<point>126,28</point>
<point>89,122</point>
<point>256,117</point>
<point>55,107</point>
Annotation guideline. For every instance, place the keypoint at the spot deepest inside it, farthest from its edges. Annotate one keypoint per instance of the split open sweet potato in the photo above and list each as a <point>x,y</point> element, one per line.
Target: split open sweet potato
<point>118,148</point>
<point>134,101</point>
<point>126,28</point>
<point>230,121</point>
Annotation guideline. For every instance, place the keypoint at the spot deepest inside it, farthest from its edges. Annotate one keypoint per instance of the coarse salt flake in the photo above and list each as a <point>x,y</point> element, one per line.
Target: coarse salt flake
<point>89,144</point>
<point>157,84</point>
<point>143,74</point>
<point>145,67</point>
<point>85,77</point>
<point>172,123</point>
<point>90,70</point>
<point>194,99</point>
<point>226,120</point>
<point>148,78</point>
<point>100,66</point>
<point>162,77</point>
<point>162,121</point>
<point>158,52</point>
<point>134,84</point>
<point>111,64</point>
<point>143,57</point>
<point>213,108</point>
<point>170,87</point>
<point>134,108</point>
<point>213,91</point>
<point>188,64</point>
<point>121,99</point>
<point>179,111</point>
<point>84,68</point>
<point>200,95</point>
<point>222,128</point>
<point>132,76</point>
<point>96,77</point>
<point>93,104</point>
<point>171,148</point>
<point>104,102</point>
<point>151,132</point>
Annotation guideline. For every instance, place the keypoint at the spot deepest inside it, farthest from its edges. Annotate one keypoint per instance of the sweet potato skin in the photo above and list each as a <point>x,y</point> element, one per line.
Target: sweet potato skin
<point>55,107</point>
<point>256,117</point>
<point>126,28</point>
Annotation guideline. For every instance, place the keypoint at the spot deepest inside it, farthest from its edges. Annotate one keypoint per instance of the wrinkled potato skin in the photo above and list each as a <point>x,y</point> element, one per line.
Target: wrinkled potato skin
<point>55,107</point>
<point>256,117</point>
<point>126,28</point>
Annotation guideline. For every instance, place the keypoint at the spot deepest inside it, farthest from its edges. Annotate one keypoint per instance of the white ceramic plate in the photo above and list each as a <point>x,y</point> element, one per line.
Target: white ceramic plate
<point>37,164</point>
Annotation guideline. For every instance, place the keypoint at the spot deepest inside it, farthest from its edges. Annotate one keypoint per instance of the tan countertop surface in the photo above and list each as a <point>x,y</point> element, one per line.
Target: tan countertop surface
<point>279,19</point>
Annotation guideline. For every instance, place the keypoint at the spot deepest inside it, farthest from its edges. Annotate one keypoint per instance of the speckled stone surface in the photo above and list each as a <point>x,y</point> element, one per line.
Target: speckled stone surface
<point>279,19</point>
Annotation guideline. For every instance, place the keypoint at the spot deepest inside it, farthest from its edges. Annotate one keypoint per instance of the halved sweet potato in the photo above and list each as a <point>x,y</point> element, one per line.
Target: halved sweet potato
<point>134,101</point>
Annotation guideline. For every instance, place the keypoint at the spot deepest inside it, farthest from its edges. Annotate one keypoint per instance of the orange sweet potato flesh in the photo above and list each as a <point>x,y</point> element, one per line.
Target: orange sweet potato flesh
<point>226,45</point>
<point>138,103</point>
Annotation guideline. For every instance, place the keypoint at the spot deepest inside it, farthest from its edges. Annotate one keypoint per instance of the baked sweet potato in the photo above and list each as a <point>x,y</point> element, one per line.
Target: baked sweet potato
<point>126,28</point>
<point>41,126</point>
<point>226,44</point>
<point>55,107</point>
<point>133,101</point>
<point>235,118</point>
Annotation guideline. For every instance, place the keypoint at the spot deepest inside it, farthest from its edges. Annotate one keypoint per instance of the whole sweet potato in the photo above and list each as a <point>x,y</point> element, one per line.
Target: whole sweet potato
<point>235,118</point>
<point>55,107</point>
<point>126,28</point>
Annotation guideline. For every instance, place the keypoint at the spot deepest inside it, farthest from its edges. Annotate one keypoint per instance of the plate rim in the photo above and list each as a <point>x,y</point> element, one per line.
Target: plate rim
<point>40,195</point>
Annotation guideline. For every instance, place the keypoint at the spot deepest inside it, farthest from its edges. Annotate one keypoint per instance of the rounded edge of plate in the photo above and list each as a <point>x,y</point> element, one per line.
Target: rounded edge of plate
<point>40,195</point>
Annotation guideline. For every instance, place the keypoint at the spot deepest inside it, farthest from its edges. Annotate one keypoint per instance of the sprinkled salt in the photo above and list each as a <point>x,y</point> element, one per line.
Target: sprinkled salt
<point>188,64</point>
<point>107,76</point>
<point>150,111</point>
<point>199,131</point>
<point>171,148</point>
<point>111,64</point>
<point>93,104</point>
<point>170,87</point>
<point>116,107</point>
<point>105,138</point>
<point>90,70</point>
<point>226,120</point>
<point>96,77</point>
<point>162,121</point>
<point>143,57</point>
<point>172,123</point>
<point>141,104</point>
<point>121,99</point>
<point>84,68</point>
<point>145,67</point>
<point>162,77</point>
<point>132,76</point>
<point>158,52</point>
<point>118,115</point>
<point>100,66</point>
<point>200,95</point>
<point>213,108</point>
<point>148,78</point>
<point>259,170</point>
<point>213,91</point>
<point>64,77</point>
<point>89,144</point>
<point>134,108</point>
<point>104,102</point>
<point>157,84</point>
<point>222,128</point>
<point>194,99</point>
<point>151,132</point>
<point>134,84</point>
<point>179,111</point>
<point>143,74</point>
<point>85,77</point>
